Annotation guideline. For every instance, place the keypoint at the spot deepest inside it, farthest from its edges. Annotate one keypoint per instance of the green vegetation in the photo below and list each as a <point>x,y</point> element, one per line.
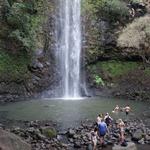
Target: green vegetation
<point>19,18</point>
<point>99,81</point>
<point>110,73</point>
<point>105,71</point>
<point>136,1</point>
<point>118,68</point>
<point>49,132</point>
<point>21,32</point>
<point>113,10</point>
<point>147,71</point>
<point>23,24</point>
<point>137,35</point>
<point>100,19</point>
<point>13,67</point>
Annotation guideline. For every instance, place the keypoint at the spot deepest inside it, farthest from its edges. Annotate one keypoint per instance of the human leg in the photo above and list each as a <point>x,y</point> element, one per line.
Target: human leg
<point>94,144</point>
<point>121,137</point>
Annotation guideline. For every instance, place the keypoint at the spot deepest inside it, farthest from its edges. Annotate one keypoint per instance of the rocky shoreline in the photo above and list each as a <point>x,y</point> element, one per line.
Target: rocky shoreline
<point>46,135</point>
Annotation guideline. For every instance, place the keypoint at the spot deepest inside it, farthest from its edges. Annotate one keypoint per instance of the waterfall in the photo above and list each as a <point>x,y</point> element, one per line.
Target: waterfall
<point>69,47</point>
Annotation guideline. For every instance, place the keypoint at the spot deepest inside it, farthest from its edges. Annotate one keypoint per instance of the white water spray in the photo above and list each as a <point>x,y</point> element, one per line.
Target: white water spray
<point>69,47</point>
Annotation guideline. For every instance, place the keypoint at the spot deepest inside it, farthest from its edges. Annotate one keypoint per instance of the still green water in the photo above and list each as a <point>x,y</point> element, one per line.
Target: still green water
<point>68,112</point>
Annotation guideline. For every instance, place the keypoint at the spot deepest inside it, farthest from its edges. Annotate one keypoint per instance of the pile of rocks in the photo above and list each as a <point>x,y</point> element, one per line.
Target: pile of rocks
<point>41,135</point>
<point>135,131</point>
<point>46,136</point>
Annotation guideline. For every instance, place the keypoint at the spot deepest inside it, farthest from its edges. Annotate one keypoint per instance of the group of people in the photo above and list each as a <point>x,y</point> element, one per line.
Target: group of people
<point>103,125</point>
<point>126,109</point>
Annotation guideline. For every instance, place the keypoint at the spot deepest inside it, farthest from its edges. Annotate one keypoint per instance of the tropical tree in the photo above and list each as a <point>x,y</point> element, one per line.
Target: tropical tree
<point>136,36</point>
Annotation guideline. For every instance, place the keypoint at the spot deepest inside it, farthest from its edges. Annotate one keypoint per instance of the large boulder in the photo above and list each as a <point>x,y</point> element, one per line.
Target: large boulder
<point>49,132</point>
<point>130,146</point>
<point>9,141</point>
<point>137,135</point>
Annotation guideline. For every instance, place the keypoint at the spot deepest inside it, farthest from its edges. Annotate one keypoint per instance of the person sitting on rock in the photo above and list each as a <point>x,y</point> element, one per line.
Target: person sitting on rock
<point>94,136</point>
<point>121,127</point>
<point>102,128</point>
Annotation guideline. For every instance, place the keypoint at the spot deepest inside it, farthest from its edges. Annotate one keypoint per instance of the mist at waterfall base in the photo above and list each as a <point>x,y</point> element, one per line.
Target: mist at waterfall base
<point>68,51</point>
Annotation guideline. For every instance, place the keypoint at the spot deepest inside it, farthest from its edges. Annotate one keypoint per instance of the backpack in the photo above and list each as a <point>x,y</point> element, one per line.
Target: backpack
<point>108,120</point>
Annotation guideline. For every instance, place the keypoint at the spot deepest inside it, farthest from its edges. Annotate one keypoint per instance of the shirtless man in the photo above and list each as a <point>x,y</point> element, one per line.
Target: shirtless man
<point>116,110</point>
<point>127,110</point>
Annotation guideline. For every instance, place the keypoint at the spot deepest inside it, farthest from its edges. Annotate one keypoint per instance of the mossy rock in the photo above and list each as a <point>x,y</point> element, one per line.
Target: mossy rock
<point>113,68</point>
<point>4,30</point>
<point>13,67</point>
<point>147,71</point>
<point>118,68</point>
<point>49,132</point>
<point>110,72</point>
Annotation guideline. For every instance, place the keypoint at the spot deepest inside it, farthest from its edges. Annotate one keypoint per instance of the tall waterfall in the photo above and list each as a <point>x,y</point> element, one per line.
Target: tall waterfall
<point>69,47</point>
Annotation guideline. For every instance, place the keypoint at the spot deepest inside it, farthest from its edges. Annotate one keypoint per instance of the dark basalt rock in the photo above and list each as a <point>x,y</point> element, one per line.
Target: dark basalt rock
<point>80,137</point>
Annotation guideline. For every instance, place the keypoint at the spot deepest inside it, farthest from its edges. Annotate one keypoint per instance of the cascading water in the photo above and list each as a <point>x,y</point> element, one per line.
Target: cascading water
<point>69,47</point>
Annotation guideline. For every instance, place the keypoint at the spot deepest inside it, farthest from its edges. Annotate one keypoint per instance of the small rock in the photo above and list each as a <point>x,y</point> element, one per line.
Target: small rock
<point>89,147</point>
<point>141,141</point>
<point>147,138</point>
<point>41,137</point>
<point>71,133</point>
<point>30,130</point>
<point>71,140</point>
<point>77,145</point>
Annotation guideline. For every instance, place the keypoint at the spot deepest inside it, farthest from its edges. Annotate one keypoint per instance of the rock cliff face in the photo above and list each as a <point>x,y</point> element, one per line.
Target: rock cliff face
<point>26,45</point>
<point>103,25</point>
<point>112,69</point>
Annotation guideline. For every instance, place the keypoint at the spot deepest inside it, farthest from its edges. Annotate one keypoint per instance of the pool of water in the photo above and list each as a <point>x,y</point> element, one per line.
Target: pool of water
<point>68,112</point>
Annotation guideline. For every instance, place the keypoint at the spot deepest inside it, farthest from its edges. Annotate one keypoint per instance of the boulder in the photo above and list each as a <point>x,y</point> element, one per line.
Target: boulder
<point>147,138</point>
<point>71,133</point>
<point>130,146</point>
<point>137,135</point>
<point>77,145</point>
<point>49,132</point>
<point>9,141</point>
<point>141,141</point>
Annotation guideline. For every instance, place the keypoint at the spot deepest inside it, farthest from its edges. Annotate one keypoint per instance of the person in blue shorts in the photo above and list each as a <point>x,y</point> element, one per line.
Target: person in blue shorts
<point>102,128</point>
